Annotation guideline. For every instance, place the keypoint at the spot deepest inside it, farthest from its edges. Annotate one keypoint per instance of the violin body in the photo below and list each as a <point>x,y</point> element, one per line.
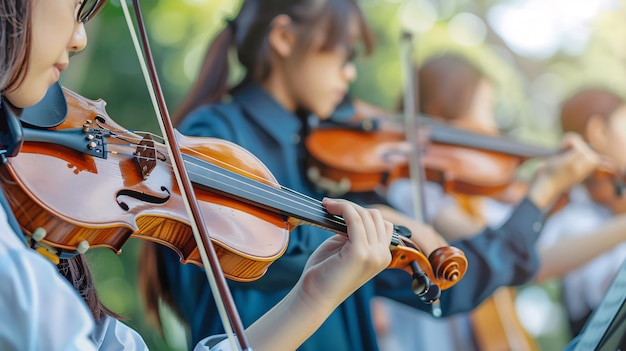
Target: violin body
<point>121,185</point>
<point>342,160</point>
<point>104,202</point>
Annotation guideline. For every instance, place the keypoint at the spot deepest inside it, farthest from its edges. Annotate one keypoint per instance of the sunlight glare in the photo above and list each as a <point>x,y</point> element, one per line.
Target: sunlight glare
<point>539,28</point>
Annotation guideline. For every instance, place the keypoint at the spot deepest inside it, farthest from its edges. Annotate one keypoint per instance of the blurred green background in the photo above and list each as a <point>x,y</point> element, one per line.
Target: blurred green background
<point>537,52</point>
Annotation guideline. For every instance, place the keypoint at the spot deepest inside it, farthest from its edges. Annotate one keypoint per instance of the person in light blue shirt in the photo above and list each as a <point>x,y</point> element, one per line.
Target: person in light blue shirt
<point>41,310</point>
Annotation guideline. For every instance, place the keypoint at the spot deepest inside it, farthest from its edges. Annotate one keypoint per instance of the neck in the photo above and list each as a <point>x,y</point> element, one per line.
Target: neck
<point>6,104</point>
<point>276,87</point>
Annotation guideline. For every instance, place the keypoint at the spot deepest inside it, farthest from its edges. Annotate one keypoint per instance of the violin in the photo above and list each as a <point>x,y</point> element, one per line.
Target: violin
<point>344,159</point>
<point>88,182</point>
<point>355,158</point>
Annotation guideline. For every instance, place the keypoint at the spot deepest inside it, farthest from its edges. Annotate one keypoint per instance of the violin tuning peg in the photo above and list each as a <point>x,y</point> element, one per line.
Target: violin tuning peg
<point>402,230</point>
<point>83,246</point>
<point>39,234</point>
<point>432,294</point>
<point>420,284</point>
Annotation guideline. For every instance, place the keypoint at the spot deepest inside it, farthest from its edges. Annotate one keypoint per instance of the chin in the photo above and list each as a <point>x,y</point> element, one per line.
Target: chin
<point>26,96</point>
<point>324,113</point>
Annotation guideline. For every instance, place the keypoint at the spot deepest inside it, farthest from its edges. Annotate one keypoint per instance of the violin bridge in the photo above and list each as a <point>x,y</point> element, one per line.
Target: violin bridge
<point>145,156</point>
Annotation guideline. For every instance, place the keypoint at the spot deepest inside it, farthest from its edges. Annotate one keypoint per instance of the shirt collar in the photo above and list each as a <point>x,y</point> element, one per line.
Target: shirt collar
<point>277,121</point>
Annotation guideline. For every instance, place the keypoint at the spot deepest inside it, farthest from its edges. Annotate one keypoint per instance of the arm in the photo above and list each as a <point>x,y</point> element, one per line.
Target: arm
<point>454,223</point>
<point>498,257</point>
<point>571,252</point>
<point>334,271</point>
<point>505,256</point>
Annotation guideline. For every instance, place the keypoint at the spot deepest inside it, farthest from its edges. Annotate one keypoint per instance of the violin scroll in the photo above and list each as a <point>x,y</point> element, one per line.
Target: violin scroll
<point>447,266</point>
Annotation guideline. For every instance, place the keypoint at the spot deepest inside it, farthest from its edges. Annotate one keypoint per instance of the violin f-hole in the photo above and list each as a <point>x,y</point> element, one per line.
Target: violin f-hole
<point>141,196</point>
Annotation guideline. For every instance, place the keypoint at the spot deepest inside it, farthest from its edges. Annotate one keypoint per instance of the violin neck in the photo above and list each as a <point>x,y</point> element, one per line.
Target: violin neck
<point>441,133</point>
<point>500,144</point>
<point>297,207</point>
<point>281,200</point>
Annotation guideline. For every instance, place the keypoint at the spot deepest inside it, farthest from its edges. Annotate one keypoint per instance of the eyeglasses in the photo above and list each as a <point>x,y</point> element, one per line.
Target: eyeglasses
<point>88,9</point>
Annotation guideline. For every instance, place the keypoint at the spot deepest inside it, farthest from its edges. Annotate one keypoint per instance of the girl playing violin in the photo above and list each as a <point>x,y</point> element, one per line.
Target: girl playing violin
<point>39,310</point>
<point>297,58</point>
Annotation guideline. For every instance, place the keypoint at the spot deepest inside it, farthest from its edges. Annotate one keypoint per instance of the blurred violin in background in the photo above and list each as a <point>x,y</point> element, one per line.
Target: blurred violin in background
<point>461,161</point>
<point>366,152</point>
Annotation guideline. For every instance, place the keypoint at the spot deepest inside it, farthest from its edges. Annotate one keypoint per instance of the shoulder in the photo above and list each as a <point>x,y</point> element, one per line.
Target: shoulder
<point>215,120</point>
<point>111,334</point>
<point>32,292</point>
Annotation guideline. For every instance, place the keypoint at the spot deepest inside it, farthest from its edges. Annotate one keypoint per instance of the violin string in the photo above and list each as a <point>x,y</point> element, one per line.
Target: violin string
<point>160,144</point>
<point>310,202</point>
<point>305,203</point>
<point>219,288</point>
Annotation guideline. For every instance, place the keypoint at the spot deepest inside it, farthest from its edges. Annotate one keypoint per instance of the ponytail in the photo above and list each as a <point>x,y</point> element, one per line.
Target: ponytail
<point>153,284</point>
<point>76,271</point>
<point>248,32</point>
<point>212,82</point>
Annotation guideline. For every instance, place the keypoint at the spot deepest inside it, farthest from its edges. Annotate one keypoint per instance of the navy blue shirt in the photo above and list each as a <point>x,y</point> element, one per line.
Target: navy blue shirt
<point>254,120</point>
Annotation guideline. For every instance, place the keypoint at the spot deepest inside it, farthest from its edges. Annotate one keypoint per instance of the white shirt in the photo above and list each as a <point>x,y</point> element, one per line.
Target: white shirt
<point>400,196</point>
<point>40,310</point>
<point>584,288</point>
<point>412,329</point>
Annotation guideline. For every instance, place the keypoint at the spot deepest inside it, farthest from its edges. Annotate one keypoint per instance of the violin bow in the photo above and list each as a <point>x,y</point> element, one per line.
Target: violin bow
<point>416,171</point>
<point>221,293</point>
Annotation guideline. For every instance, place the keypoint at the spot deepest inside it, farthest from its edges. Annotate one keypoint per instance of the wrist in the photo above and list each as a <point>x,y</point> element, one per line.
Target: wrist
<point>543,193</point>
<point>290,322</point>
<point>310,299</point>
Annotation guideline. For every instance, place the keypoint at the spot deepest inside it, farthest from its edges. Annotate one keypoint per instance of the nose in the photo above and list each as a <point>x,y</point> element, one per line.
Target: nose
<point>349,71</point>
<point>78,41</point>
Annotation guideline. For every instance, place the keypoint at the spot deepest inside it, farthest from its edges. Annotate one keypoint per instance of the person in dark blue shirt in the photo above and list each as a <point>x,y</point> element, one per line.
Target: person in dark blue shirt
<point>298,61</point>
<point>38,37</point>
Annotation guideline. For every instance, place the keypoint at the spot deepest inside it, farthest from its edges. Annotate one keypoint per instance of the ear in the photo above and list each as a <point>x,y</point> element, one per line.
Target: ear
<point>596,133</point>
<point>282,39</point>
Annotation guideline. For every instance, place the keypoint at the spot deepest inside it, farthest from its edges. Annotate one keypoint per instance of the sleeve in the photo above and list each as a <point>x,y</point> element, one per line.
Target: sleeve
<point>207,121</point>
<point>214,343</point>
<point>505,256</point>
<point>573,344</point>
<point>111,334</point>
<point>38,308</point>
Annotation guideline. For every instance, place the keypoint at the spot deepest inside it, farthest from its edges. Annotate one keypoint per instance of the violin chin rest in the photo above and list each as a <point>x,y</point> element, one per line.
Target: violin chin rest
<point>49,112</point>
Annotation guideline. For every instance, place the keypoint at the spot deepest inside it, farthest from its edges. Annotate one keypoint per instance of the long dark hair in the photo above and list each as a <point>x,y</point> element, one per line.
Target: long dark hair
<point>15,37</point>
<point>248,33</point>
<point>76,271</point>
